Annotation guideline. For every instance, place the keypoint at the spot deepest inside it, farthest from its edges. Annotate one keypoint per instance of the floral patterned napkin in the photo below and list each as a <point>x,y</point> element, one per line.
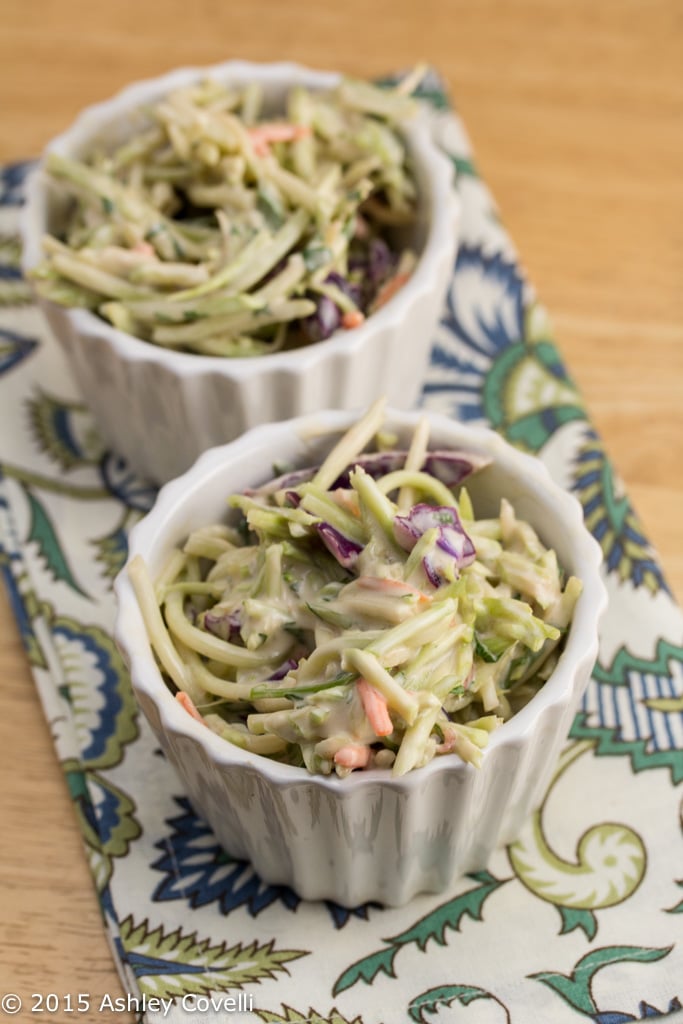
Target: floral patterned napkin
<point>579,919</point>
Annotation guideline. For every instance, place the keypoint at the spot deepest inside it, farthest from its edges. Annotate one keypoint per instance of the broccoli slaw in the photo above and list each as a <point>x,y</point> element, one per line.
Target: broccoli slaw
<point>358,614</point>
<point>220,229</point>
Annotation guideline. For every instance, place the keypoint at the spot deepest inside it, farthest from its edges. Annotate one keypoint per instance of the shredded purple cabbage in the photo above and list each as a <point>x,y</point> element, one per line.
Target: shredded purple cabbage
<point>453,549</point>
<point>346,286</point>
<point>284,482</point>
<point>381,262</point>
<point>328,316</point>
<point>431,571</point>
<point>324,322</point>
<point>284,669</point>
<point>450,467</point>
<point>371,263</point>
<point>346,551</point>
<point>225,625</point>
<point>293,498</point>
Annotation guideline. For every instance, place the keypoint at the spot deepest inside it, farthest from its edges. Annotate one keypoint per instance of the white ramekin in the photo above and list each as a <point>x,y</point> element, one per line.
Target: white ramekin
<point>159,408</point>
<point>369,836</point>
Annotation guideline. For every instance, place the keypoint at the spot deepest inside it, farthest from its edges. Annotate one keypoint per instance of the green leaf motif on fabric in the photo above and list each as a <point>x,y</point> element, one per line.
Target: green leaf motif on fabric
<point>449,915</point>
<point>26,608</point>
<point>678,909</point>
<point>292,1016</point>
<point>433,926</point>
<point>14,349</point>
<point>464,166</point>
<point>623,662</point>
<point>632,676</point>
<point>610,864</point>
<point>367,969</point>
<point>81,492</point>
<point>573,918</point>
<point>576,988</point>
<point>609,744</point>
<point>111,550</point>
<point>437,98</point>
<point>126,828</point>
<point>64,431</point>
<point>34,608</point>
<point>609,867</point>
<point>527,395</point>
<point>89,657</point>
<point>34,651</point>
<point>610,517</point>
<point>43,533</point>
<point>173,964</point>
<point>445,995</point>
<point>104,843</point>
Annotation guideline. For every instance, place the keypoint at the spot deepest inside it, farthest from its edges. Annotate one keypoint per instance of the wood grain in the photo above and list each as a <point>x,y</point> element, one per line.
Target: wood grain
<point>575,111</point>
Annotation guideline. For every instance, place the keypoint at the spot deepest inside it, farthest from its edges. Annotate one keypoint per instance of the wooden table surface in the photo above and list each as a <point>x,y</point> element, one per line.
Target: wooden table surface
<point>576,114</point>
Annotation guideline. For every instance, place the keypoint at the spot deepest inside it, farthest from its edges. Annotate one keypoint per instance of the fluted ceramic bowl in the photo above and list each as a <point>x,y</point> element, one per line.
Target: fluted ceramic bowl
<point>368,836</point>
<point>161,408</point>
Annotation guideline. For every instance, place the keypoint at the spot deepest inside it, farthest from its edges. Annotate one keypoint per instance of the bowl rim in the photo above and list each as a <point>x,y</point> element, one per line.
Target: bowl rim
<point>443,211</point>
<point>581,644</point>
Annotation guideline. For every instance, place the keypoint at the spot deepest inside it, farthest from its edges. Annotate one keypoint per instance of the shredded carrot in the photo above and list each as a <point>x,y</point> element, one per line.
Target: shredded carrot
<point>347,500</point>
<point>375,707</point>
<point>353,755</point>
<point>354,318</point>
<point>263,134</point>
<point>186,702</point>
<point>388,290</point>
<point>145,248</point>
<point>386,585</point>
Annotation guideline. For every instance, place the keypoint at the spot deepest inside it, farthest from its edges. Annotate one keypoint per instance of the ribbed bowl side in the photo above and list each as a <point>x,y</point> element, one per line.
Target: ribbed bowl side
<point>369,836</point>
<point>378,841</point>
<point>161,420</point>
